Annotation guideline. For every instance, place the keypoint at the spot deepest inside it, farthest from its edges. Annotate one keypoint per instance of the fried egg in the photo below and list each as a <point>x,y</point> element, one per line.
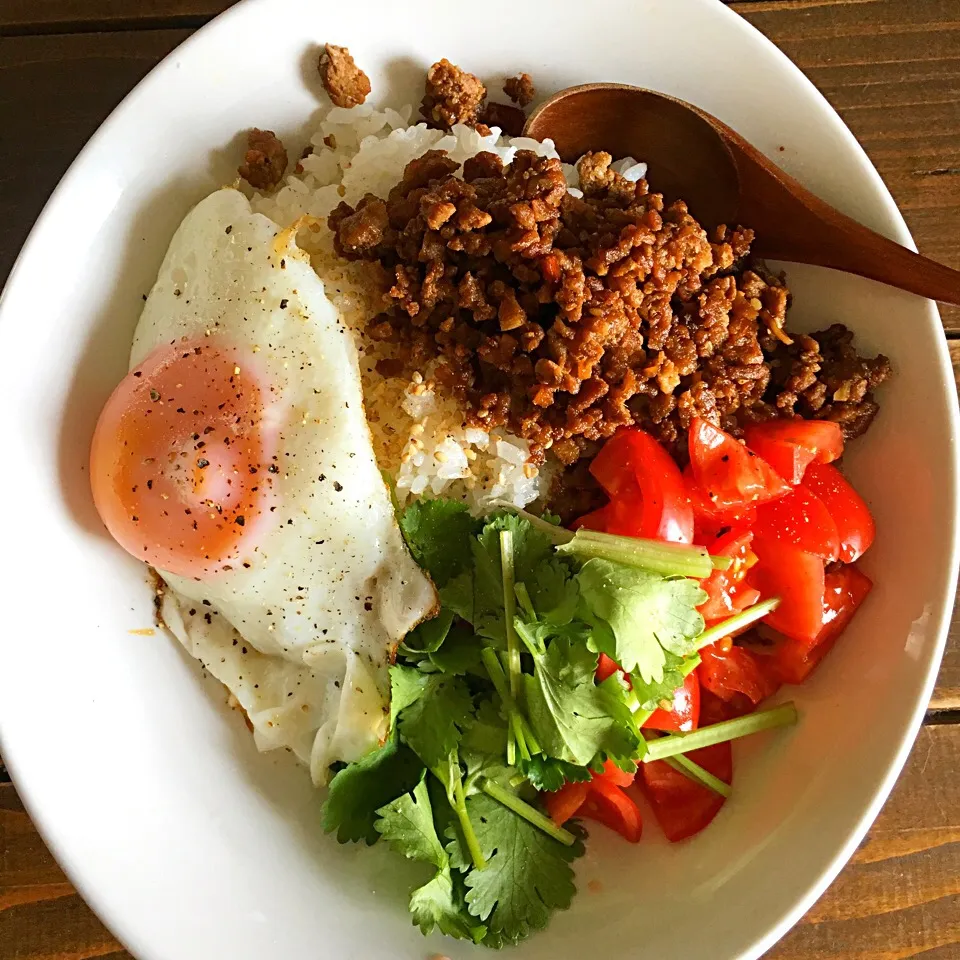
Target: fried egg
<point>235,458</point>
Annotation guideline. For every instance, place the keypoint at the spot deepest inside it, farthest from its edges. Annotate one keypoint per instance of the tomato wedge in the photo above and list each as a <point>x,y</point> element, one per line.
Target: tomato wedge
<point>727,593</point>
<point>855,526</point>
<point>605,668</point>
<point>683,714</point>
<point>790,446</point>
<point>683,807</point>
<point>648,497</point>
<point>799,520</point>
<point>727,472</point>
<point>797,578</point>
<point>711,520</point>
<point>726,673</point>
<point>791,662</point>
<point>613,774</point>
<point>565,803</point>
<point>608,804</point>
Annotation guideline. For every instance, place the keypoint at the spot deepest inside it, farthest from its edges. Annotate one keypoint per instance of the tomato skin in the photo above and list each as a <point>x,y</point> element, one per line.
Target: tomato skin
<point>727,472</point>
<point>608,804</point>
<point>613,774</point>
<point>565,803</point>
<point>797,578</point>
<point>709,519</point>
<point>683,807</point>
<point>727,592</point>
<point>790,446</point>
<point>855,525</point>
<point>606,667</point>
<point>726,673</point>
<point>800,520</point>
<point>683,714</point>
<point>646,489</point>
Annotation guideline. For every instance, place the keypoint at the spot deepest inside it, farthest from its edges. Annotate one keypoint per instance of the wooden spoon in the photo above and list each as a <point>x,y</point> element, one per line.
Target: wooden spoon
<point>693,156</point>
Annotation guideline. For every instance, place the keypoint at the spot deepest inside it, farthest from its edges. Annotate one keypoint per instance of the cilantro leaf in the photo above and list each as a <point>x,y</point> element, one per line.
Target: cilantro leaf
<point>527,877</point>
<point>532,551</point>
<point>574,718</point>
<point>438,534</point>
<point>650,615</point>
<point>484,747</point>
<point>360,788</point>
<point>431,712</point>
<point>407,825</point>
<point>428,636</point>
<point>548,773</point>
<point>460,653</point>
<point>651,695</point>
<point>456,595</point>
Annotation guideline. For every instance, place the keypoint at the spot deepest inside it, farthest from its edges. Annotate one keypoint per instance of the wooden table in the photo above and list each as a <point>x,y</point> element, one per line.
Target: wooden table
<point>892,70</point>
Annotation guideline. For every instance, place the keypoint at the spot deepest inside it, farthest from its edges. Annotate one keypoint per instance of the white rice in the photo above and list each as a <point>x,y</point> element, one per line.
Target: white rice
<point>419,436</point>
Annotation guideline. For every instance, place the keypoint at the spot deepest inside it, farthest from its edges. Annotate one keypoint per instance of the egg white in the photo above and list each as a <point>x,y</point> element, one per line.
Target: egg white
<point>302,629</point>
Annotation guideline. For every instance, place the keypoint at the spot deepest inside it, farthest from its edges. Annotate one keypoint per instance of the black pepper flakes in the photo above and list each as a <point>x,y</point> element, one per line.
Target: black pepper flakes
<point>283,303</point>
<point>337,486</point>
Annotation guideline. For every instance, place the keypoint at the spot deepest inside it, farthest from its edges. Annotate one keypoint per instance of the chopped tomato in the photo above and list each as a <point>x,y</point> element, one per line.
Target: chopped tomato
<point>797,578</point>
<point>605,668</point>
<point>855,526</point>
<point>711,520</point>
<point>613,774</point>
<point>683,714</point>
<point>682,806</point>
<point>727,593</point>
<point>727,472</point>
<point>609,805</point>
<point>800,520</point>
<point>790,446</point>
<point>646,489</point>
<point>726,673</point>
<point>791,662</point>
<point>565,803</point>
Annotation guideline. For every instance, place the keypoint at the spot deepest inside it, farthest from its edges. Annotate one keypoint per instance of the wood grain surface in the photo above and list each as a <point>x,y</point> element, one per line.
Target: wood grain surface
<point>892,70</point>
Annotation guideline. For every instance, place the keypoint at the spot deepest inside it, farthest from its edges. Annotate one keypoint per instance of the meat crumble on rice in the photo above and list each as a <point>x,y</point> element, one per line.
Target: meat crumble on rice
<point>512,311</point>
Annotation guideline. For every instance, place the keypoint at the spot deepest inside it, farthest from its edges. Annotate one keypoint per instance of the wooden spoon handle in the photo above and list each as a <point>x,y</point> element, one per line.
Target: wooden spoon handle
<point>795,225</point>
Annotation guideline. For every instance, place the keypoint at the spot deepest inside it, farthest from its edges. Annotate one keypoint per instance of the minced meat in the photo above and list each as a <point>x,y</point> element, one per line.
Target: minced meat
<point>346,84</point>
<point>520,89</point>
<point>452,95</point>
<point>265,160</point>
<point>564,318</point>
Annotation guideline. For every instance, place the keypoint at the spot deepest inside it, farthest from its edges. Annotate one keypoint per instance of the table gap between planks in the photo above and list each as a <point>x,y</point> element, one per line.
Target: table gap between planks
<point>891,68</point>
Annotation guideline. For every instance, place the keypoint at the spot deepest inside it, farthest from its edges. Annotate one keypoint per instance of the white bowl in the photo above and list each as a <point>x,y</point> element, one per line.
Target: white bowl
<point>148,789</point>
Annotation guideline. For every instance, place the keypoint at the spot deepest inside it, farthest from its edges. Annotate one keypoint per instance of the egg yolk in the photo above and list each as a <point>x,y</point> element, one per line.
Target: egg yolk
<point>179,465</point>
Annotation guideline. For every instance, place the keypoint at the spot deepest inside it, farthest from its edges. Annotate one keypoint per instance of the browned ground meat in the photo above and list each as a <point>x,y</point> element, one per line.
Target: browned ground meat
<point>520,89</point>
<point>564,318</point>
<point>265,160</point>
<point>452,95</point>
<point>344,81</point>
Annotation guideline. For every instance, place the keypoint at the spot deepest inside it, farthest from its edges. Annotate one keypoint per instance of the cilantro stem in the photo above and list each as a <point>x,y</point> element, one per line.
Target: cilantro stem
<point>510,610</point>
<point>677,743</point>
<point>523,596</point>
<point>737,622</point>
<point>518,732</point>
<point>668,559</point>
<point>697,773</point>
<point>460,808</point>
<point>557,534</point>
<point>523,809</point>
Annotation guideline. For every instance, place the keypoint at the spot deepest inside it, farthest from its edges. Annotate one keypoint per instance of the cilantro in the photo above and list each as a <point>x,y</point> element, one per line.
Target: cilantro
<point>527,877</point>
<point>460,653</point>
<point>548,773</point>
<point>574,718</point>
<point>650,615</point>
<point>428,637</point>
<point>456,595</point>
<point>483,747</point>
<point>407,825</point>
<point>367,784</point>
<point>650,695</point>
<point>438,535</point>
<point>535,564</point>
<point>430,711</point>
